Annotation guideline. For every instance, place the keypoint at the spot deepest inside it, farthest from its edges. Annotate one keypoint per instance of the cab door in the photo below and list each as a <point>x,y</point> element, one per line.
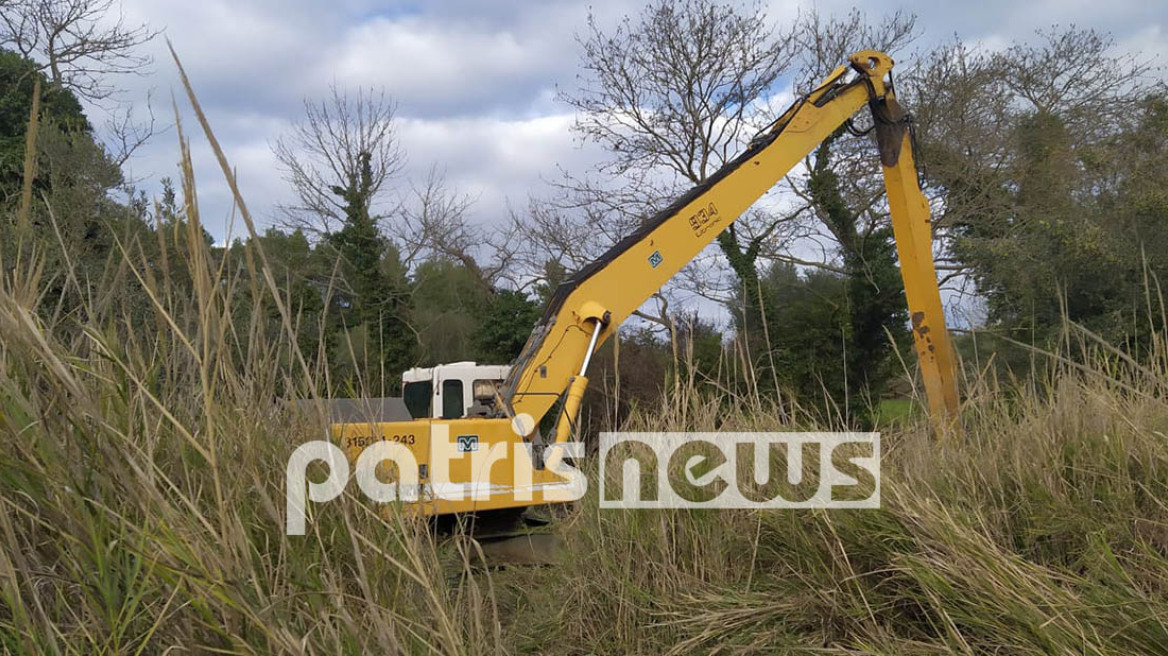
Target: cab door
<point>450,396</point>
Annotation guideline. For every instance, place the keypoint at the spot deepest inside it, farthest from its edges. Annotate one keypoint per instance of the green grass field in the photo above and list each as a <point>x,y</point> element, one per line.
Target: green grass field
<point>896,412</point>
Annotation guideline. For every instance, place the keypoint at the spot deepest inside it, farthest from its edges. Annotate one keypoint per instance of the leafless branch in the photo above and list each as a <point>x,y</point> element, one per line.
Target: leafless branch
<point>325,151</point>
<point>79,43</point>
<point>676,88</point>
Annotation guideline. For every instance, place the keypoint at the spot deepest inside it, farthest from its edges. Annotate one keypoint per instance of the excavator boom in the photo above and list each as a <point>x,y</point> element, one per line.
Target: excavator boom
<point>588,308</point>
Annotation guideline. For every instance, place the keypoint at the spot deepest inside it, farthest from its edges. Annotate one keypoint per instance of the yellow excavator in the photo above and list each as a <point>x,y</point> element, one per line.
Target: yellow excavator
<point>501,415</point>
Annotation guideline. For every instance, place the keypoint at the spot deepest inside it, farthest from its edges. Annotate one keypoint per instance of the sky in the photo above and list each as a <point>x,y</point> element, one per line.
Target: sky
<point>475,81</point>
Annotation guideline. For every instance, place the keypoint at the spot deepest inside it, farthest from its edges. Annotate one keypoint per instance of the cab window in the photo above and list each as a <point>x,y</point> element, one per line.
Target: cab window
<point>484,390</point>
<point>452,403</point>
<point>417,397</point>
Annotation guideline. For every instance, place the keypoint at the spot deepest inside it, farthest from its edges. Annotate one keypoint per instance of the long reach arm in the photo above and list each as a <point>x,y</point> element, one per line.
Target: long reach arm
<point>588,308</point>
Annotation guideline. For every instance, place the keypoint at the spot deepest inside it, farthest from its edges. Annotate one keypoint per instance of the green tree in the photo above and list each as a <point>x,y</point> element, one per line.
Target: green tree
<point>301,272</point>
<point>58,108</point>
<point>554,274</point>
<point>505,327</point>
<point>1047,160</point>
<point>874,305</point>
<point>338,161</point>
<point>375,296</point>
<point>75,220</point>
<point>449,304</point>
<point>809,325</point>
<point>672,94</point>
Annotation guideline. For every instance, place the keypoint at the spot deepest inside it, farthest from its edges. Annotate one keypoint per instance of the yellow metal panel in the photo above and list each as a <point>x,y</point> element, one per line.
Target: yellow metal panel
<point>914,246</point>
<point>497,474</point>
<point>353,438</point>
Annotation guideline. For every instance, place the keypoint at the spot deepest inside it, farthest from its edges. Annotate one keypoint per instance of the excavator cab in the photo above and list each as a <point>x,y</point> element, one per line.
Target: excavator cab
<point>452,391</point>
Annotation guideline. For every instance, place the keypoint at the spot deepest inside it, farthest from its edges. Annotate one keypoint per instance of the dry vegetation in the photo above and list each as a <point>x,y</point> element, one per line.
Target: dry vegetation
<point>142,478</point>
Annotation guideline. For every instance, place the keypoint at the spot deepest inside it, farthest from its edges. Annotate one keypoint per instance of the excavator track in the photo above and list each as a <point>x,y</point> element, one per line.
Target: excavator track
<point>508,538</point>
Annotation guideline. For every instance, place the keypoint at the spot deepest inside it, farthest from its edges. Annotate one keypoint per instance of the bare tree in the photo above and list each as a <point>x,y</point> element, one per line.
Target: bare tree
<point>1075,73</point>
<point>672,94</point>
<point>79,43</point>
<point>960,107</point>
<point>675,92</point>
<point>856,188</point>
<point>824,42</point>
<point>675,89</point>
<point>346,145</point>
<point>435,225</point>
<point>561,236</point>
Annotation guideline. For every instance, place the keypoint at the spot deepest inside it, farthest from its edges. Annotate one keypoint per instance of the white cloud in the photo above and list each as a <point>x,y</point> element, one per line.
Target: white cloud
<point>476,81</point>
<point>428,65</point>
<point>1151,42</point>
<point>498,163</point>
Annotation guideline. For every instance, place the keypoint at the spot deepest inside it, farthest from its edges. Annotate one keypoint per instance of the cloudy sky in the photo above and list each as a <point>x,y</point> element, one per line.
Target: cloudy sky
<point>475,80</point>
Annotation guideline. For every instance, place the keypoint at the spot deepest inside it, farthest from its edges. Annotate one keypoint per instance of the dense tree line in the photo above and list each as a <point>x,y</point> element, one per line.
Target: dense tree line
<point>1050,163</point>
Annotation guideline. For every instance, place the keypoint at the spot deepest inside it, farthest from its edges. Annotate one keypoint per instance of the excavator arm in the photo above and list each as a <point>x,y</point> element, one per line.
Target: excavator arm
<point>587,309</point>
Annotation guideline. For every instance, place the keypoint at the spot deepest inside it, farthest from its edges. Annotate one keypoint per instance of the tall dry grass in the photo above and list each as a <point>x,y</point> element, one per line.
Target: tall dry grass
<point>143,441</point>
<point>1043,530</point>
<point>142,461</point>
